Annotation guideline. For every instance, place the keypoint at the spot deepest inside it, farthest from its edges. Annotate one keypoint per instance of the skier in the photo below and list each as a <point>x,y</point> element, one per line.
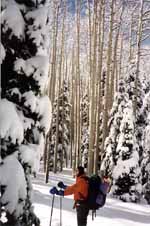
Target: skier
<point>80,191</point>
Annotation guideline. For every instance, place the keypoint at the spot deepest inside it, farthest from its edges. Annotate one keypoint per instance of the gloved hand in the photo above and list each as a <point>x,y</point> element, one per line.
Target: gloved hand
<point>60,192</point>
<point>53,191</point>
<point>61,185</point>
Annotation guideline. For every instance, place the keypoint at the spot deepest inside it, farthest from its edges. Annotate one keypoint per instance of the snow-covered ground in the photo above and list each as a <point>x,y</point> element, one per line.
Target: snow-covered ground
<point>114,213</point>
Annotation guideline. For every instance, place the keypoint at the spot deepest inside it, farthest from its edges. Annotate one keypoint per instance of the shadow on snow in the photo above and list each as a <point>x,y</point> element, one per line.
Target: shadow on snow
<point>109,211</point>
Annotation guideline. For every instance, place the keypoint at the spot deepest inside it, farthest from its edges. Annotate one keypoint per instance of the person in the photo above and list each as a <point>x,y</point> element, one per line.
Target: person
<point>80,192</point>
<point>106,184</point>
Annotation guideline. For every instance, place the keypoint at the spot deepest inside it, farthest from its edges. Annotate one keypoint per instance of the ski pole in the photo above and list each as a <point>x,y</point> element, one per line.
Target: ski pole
<point>60,211</point>
<point>52,210</point>
<point>93,214</point>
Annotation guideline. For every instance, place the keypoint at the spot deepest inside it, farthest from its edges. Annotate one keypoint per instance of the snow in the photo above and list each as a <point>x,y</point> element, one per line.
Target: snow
<point>12,176</point>
<point>38,30</point>
<point>45,110</point>
<point>40,105</point>
<point>27,122</point>
<point>31,100</point>
<point>10,123</point>
<point>114,213</point>
<point>35,66</point>
<point>128,160</point>
<point>2,53</point>
<point>30,154</point>
<point>124,166</point>
<point>11,17</point>
<point>16,92</point>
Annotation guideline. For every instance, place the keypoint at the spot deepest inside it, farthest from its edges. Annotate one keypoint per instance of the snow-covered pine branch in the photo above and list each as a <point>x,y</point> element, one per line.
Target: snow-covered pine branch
<point>25,112</point>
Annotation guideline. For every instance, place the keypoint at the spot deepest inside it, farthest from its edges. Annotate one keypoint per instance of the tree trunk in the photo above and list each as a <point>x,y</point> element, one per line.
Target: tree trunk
<point>78,9</point>
<point>120,58</point>
<point>139,38</point>
<point>112,85</point>
<point>58,94</point>
<point>107,92</point>
<point>130,39</point>
<point>72,114</point>
<point>99,76</point>
<point>54,54</point>
<point>92,122</point>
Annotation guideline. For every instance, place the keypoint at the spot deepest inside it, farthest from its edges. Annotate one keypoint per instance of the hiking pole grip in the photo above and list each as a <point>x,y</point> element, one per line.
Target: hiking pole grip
<point>52,210</point>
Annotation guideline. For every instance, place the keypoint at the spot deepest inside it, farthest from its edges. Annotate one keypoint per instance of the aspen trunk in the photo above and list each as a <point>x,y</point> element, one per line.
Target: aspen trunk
<point>74,122</point>
<point>72,115</point>
<point>99,76</point>
<point>78,134</point>
<point>54,54</point>
<point>139,38</point>
<point>46,148</point>
<point>52,83</point>
<point>130,39</point>
<point>120,58</point>
<point>109,63</point>
<point>92,122</point>
<point>112,85</point>
<point>58,95</point>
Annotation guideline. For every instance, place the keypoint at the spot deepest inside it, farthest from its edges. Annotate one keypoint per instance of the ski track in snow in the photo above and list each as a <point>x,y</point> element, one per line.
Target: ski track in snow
<point>114,213</point>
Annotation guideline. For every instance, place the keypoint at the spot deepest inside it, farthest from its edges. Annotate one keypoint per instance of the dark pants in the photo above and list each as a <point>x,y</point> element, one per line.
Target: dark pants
<point>82,214</point>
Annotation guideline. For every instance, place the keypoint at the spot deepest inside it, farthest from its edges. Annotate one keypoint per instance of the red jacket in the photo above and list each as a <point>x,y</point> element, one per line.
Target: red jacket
<point>79,189</point>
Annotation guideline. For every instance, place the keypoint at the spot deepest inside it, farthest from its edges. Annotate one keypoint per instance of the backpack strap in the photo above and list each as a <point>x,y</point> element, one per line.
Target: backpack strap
<point>86,178</point>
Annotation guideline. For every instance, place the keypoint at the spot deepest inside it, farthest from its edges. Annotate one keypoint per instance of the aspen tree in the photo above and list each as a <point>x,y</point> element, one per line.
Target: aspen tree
<point>139,39</point>
<point>120,60</point>
<point>115,57</point>
<point>72,157</point>
<point>99,76</point>
<point>75,154</point>
<point>52,76</point>
<point>130,37</point>
<point>92,118</point>
<point>52,81</point>
<point>78,133</point>
<point>58,91</point>
<point>108,66</point>
<point>54,51</point>
<point>74,112</point>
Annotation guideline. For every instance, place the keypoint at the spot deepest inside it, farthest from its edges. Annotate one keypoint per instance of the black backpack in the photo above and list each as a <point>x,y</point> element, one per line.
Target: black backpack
<point>96,197</point>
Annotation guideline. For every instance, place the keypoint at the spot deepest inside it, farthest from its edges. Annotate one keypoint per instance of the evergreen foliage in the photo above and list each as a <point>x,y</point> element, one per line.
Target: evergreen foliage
<point>25,112</point>
<point>145,163</point>
<point>115,142</point>
<point>126,173</point>
<point>116,115</point>
<point>63,149</point>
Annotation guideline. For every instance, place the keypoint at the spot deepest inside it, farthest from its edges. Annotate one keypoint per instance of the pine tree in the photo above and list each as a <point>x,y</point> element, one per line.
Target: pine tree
<point>66,106</point>
<point>116,115</point>
<point>145,163</point>
<point>25,112</point>
<point>130,81</point>
<point>126,93</point>
<point>126,173</point>
<point>63,151</point>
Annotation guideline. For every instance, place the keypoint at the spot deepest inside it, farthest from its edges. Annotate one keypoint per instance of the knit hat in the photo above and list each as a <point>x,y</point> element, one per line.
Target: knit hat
<point>81,170</point>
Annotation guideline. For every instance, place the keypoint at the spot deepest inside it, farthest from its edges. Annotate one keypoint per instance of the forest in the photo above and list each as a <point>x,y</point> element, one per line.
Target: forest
<point>100,93</point>
<point>75,90</point>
